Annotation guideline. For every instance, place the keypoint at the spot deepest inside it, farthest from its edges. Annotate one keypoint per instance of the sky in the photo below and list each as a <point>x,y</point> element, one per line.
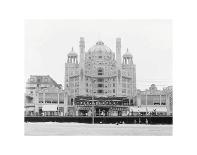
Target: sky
<point>47,43</point>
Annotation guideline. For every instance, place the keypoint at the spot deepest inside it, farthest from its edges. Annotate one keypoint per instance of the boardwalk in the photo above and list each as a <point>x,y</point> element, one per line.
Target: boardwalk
<point>68,129</point>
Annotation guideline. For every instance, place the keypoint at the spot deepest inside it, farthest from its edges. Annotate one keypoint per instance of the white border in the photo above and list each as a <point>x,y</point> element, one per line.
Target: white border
<point>184,75</point>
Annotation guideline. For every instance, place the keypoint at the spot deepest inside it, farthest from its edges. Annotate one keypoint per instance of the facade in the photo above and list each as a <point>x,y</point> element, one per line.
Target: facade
<point>100,72</point>
<point>100,106</point>
<point>51,102</point>
<point>44,96</point>
<point>40,82</point>
<point>99,82</point>
<point>154,100</point>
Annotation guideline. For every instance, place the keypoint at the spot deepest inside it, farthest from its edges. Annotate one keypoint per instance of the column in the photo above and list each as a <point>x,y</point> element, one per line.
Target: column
<point>43,98</point>
<point>58,98</point>
<point>160,99</point>
<point>65,103</point>
<point>146,98</point>
<point>167,104</point>
<point>58,102</point>
<point>146,102</point>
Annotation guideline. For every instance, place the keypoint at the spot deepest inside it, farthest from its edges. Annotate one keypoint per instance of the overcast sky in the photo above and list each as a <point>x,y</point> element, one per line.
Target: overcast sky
<point>47,43</point>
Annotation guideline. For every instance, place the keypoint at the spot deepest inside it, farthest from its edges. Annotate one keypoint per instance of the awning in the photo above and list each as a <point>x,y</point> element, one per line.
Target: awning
<point>161,109</point>
<point>142,109</point>
<point>151,109</point>
<point>49,108</point>
<point>158,109</point>
<point>134,109</point>
<point>29,108</point>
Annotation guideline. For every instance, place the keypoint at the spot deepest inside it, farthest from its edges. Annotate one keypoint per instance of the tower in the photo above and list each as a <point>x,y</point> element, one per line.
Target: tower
<point>129,67</point>
<point>118,52</point>
<point>70,66</point>
<point>82,67</point>
<point>119,67</point>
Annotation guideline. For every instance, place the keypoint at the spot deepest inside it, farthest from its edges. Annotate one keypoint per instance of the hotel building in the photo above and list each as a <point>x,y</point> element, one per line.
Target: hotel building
<point>101,73</point>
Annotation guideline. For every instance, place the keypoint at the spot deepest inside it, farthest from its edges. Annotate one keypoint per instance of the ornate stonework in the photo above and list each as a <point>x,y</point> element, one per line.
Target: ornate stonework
<point>99,72</point>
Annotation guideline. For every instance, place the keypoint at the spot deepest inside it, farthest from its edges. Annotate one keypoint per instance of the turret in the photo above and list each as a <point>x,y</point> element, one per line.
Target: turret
<point>127,58</point>
<point>72,57</point>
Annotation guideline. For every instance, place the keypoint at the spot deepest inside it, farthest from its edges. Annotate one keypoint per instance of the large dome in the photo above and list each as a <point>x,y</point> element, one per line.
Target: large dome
<point>99,47</point>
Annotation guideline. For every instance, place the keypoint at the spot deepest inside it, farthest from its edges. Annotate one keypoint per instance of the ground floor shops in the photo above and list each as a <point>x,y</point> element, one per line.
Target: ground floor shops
<point>45,110</point>
<point>100,106</point>
<point>29,110</point>
<point>101,111</point>
<point>148,110</point>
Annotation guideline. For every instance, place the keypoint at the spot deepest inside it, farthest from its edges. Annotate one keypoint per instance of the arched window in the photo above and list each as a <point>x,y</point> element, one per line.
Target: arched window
<point>100,71</point>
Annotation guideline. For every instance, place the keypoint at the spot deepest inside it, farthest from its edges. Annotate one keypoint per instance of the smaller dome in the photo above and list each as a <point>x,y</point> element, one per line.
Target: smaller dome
<point>127,54</point>
<point>72,53</point>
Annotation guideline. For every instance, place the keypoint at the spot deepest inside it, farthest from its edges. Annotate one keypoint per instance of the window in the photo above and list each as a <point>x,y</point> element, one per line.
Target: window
<point>100,80</point>
<point>100,91</point>
<point>113,84</point>
<point>124,91</point>
<point>39,80</point>
<point>45,79</point>
<point>100,71</point>
<point>113,90</point>
<point>123,80</point>
<point>100,57</point>
<point>100,85</point>
<point>124,85</point>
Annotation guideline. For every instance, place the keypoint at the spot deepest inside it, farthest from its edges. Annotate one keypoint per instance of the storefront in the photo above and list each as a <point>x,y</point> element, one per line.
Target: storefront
<point>159,110</point>
<point>148,110</point>
<point>117,106</point>
<point>50,110</point>
<point>29,111</point>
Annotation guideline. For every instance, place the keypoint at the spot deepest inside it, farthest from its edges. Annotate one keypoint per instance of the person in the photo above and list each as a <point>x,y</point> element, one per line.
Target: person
<point>146,121</point>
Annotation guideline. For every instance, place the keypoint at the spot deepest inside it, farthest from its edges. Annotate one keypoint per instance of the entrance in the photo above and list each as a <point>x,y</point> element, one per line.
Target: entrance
<point>83,112</point>
<point>119,113</point>
<point>40,111</point>
<point>102,111</point>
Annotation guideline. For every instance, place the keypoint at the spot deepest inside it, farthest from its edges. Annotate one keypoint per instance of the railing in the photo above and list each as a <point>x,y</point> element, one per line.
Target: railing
<point>69,115</point>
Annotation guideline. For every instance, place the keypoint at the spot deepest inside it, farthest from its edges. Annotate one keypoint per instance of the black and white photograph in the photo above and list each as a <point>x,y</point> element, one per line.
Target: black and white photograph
<point>98,77</point>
